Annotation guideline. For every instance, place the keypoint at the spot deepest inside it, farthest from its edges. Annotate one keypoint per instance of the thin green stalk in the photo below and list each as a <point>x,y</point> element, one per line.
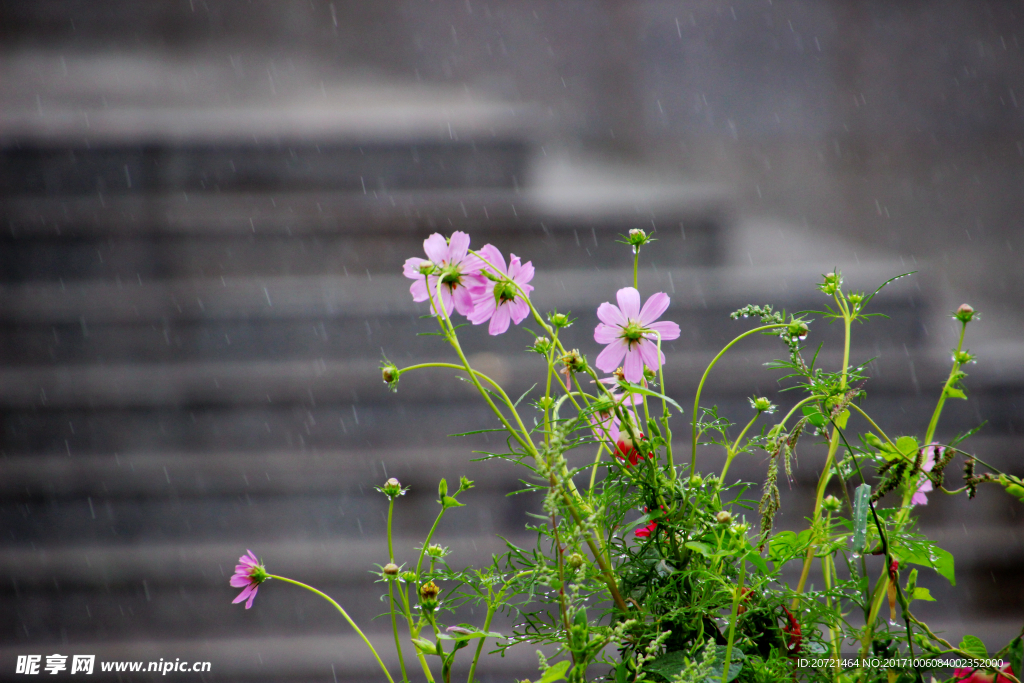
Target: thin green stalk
<point>343,613</point>
<point>934,422</point>
<point>700,387</point>
<point>737,594</point>
<point>731,451</point>
<point>391,593</point>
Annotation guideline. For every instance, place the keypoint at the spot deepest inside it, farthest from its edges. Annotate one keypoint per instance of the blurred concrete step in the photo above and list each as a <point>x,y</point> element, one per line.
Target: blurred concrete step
<point>307,233</point>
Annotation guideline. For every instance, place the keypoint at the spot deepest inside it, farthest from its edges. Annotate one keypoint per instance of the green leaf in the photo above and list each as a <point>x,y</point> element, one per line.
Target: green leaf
<point>450,502</point>
<point>861,507</point>
<point>922,594</point>
<point>907,446</point>
<point>814,416</point>
<point>555,673</point>
<point>1015,653</point>
<point>932,556</point>
<point>757,561</point>
<point>841,419</point>
<point>974,646</point>
<point>1016,491</point>
<point>953,392</point>
<point>735,665</point>
<point>637,389</point>
<point>699,547</point>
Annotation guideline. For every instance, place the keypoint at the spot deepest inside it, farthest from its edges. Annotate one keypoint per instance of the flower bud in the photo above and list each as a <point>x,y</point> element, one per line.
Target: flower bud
<point>964,314</point>
<point>389,373</point>
<point>560,320</point>
<point>695,481</point>
<point>392,488</point>
<point>762,405</point>
<point>831,504</point>
<point>575,561</point>
<point>855,298</point>
<point>574,361</point>
<point>442,488</point>
<point>428,595</point>
<point>465,483</point>
<point>426,267</point>
<point>723,517</point>
<point>637,238</point>
<point>407,576</point>
<point>541,345</point>
<point>798,330</point>
<point>963,357</point>
<point>391,570</point>
<point>833,281</point>
<point>435,550</point>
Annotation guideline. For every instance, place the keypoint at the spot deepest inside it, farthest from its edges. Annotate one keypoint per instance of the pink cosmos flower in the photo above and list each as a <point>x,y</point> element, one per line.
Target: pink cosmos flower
<point>629,331</point>
<point>924,484</point>
<point>969,675</point>
<point>249,574</point>
<point>499,300</point>
<point>458,270</point>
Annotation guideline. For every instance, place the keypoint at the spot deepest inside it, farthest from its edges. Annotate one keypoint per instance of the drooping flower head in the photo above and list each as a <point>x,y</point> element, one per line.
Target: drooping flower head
<point>924,484</point>
<point>631,332</point>
<point>645,532</point>
<point>501,301</point>
<point>249,574</point>
<point>450,262</point>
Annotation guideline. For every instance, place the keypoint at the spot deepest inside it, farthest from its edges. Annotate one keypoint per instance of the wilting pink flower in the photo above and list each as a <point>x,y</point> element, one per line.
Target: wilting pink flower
<point>924,484</point>
<point>646,531</point>
<point>969,675</point>
<point>499,300</point>
<point>629,331</point>
<point>450,261</point>
<point>249,574</point>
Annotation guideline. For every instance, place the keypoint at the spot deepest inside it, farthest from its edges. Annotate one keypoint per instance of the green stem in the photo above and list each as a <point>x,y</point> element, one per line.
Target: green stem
<point>391,593</point>
<point>731,452</point>
<point>737,594</point>
<point>934,422</point>
<point>343,613</point>
<point>700,387</point>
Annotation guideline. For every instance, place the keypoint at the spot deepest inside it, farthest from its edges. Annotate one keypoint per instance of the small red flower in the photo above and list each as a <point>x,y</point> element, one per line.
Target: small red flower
<point>969,675</point>
<point>626,450</point>
<point>792,629</point>
<point>646,531</point>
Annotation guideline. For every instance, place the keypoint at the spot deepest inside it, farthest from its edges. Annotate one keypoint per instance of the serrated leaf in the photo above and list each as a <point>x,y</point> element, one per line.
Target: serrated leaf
<point>974,646</point>
<point>555,673</point>
<point>921,593</point>
<point>861,507</point>
<point>935,557</point>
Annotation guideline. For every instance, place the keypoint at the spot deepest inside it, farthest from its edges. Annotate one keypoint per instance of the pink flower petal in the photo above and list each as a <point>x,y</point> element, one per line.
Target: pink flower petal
<point>248,590</point>
<point>500,320</point>
<point>463,300</point>
<point>610,359</point>
<point>649,353</point>
<point>419,290</point>
<point>666,328</point>
<point>239,581</point>
<point>605,334</point>
<point>491,254</point>
<point>629,302</point>
<point>411,269</point>
<point>654,307</point>
<point>483,307</point>
<point>633,368</point>
<point>436,247</point>
<point>611,315</point>
<point>519,310</point>
<point>458,246</point>
<point>252,596</point>
<point>521,273</point>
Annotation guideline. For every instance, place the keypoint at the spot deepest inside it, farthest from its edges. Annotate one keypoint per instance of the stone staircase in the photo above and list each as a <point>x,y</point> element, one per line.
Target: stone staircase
<point>193,310</point>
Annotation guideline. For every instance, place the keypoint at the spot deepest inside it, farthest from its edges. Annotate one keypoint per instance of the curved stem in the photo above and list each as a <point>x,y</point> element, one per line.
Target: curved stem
<point>700,387</point>
<point>731,452</point>
<point>343,613</point>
